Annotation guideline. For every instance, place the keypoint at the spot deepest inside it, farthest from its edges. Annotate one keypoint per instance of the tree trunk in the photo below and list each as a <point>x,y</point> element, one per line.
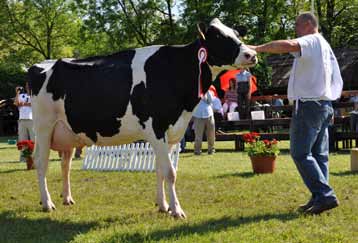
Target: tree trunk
<point>170,16</point>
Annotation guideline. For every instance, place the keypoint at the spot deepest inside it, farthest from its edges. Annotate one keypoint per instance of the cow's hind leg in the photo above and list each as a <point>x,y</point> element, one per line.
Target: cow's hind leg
<point>41,155</point>
<point>165,169</point>
<point>66,167</point>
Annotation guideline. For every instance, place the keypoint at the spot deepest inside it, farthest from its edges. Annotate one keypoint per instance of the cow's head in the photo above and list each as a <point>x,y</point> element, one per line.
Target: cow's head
<point>224,46</point>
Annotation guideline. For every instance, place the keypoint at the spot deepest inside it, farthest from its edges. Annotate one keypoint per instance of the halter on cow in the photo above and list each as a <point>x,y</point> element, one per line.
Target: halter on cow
<point>146,93</point>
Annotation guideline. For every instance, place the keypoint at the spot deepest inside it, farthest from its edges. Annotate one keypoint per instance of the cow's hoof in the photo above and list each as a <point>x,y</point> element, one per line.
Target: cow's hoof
<point>49,207</point>
<point>178,214</point>
<point>68,201</point>
<point>164,208</point>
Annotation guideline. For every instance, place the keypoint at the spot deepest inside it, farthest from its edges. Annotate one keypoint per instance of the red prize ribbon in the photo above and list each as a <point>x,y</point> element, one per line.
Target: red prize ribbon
<point>202,56</point>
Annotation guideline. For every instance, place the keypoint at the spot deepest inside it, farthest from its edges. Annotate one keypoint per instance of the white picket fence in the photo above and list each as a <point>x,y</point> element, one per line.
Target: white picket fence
<point>127,157</point>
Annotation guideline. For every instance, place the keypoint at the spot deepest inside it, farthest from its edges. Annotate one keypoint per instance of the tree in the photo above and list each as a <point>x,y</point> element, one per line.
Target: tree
<point>338,21</point>
<point>44,26</point>
<point>196,11</point>
<point>129,23</point>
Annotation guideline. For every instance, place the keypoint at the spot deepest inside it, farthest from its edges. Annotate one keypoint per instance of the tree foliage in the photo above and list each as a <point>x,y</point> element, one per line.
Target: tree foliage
<point>45,26</point>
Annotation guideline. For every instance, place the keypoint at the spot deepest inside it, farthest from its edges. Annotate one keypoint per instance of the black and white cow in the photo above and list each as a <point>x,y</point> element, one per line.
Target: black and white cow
<point>147,93</point>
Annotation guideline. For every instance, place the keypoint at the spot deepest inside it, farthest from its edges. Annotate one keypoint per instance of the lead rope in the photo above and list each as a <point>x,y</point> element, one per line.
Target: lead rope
<point>202,56</point>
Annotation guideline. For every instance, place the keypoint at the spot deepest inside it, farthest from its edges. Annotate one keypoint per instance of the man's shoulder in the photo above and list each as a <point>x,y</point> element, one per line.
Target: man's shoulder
<point>311,38</point>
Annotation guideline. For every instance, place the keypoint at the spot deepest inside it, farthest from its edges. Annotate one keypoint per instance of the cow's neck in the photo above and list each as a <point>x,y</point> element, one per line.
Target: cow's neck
<point>193,76</point>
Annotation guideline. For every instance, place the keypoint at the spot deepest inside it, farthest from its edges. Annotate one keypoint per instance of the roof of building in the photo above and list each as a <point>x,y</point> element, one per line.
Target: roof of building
<point>347,59</point>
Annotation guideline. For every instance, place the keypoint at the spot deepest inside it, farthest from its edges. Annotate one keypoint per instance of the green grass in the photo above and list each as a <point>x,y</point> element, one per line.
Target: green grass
<point>223,199</point>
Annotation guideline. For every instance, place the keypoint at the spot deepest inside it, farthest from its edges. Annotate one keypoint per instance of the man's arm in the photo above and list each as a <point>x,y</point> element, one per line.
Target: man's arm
<point>278,46</point>
<point>16,101</point>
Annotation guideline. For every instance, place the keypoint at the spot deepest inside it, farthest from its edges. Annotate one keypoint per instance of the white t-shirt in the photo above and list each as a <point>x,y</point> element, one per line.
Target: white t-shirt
<point>216,104</point>
<point>25,112</point>
<point>243,76</point>
<point>204,109</point>
<point>315,72</point>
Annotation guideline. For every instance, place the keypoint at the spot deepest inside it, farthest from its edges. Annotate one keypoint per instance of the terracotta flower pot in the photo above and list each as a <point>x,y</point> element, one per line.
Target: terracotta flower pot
<point>30,163</point>
<point>263,164</point>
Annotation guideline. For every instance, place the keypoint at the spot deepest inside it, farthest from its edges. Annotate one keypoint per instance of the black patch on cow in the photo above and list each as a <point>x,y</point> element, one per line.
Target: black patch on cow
<point>139,102</point>
<point>223,50</point>
<point>96,92</point>
<point>172,85</point>
<point>36,79</point>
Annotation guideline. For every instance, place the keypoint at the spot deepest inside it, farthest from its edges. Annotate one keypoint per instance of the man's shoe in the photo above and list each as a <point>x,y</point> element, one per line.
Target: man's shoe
<point>321,207</point>
<point>211,151</point>
<point>304,207</point>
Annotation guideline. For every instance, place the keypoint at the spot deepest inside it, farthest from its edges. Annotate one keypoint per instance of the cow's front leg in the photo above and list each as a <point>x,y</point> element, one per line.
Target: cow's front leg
<point>174,206</point>
<point>41,155</point>
<point>164,164</point>
<point>66,167</point>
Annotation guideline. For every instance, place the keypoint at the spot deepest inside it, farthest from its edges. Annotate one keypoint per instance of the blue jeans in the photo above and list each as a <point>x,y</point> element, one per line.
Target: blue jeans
<point>309,145</point>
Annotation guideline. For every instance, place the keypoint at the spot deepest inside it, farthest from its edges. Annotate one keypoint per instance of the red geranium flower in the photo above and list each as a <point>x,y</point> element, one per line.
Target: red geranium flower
<point>26,147</point>
<point>259,147</point>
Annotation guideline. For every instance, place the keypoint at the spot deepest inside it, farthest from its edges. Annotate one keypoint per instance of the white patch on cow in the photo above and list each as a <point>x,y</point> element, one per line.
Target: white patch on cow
<point>44,85</point>
<point>141,56</point>
<point>242,60</point>
<point>176,132</point>
<point>86,140</point>
<point>46,65</point>
<point>226,31</point>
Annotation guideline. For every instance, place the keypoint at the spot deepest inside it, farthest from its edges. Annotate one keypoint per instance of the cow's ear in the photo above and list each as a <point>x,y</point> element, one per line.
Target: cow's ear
<point>241,29</point>
<point>202,30</point>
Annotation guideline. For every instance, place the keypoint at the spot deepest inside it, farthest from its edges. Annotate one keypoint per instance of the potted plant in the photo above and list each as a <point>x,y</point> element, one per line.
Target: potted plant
<point>27,147</point>
<point>262,153</point>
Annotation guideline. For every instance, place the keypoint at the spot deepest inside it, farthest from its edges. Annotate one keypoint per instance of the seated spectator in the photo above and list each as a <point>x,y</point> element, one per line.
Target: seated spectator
<point>354,99</point>
<point>230,97</point>
<point>277,101</point>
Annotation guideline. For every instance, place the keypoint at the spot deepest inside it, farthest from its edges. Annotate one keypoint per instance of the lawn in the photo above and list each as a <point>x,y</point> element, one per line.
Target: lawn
<point>224,202</point>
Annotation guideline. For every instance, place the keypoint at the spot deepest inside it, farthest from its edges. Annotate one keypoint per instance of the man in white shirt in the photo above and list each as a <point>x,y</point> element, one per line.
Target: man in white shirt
<point>315,81</point>
<point>25,124</point>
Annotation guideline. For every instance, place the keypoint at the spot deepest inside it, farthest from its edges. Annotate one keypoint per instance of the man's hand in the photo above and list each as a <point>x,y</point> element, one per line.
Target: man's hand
<point>17,89</point>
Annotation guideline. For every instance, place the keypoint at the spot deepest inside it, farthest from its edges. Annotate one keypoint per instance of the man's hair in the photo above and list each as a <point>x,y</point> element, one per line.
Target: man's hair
<point>308,16</point>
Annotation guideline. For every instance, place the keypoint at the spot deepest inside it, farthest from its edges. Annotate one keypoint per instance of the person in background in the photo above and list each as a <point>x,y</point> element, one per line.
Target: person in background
<point>216,104</point>
<point>203,116</point>
<point>25,124</point>
<point>315,81</point>
<point>354,113</point>
<point>78,153</point>
<point>230,97</point>
<point>243,92</point>
<point>277,102</point>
